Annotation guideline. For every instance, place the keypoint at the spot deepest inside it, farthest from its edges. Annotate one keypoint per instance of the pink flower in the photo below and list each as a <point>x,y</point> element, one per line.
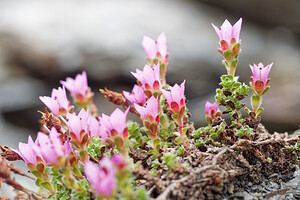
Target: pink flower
<point>211,112</point>
<point>94,127</point>
<point>102,177</point>
<point>149,77</point>
<point>58,102</point>
<point>78,87</point>
<point>157,48</point>
<point>51,146</point>
<point>78,126</point>
<point>228,32</point>
<point>150,111</point>
<point>260,80</point>
<point>119,161</point>
<point>115,124</point>
<point>136,96</point>
<point>30,151</point>
<point>175,97</point>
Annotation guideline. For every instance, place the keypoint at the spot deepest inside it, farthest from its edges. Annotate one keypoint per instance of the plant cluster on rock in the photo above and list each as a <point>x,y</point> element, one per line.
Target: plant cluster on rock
<point>80,154</point>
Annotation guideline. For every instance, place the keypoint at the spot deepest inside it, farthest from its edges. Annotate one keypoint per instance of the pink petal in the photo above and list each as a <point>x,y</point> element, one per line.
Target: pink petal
<point>162,44</point>
<point>118,120</point>
<point>91,172</point>
<point>167,95</point>
<point>74,124</point>
<point>149,47</point>
<point>51,104</point>
<point>226,31</point>
<point>152,106</point>
<point>217,31</point>
<point>237,29</point>
<point>141,110</point>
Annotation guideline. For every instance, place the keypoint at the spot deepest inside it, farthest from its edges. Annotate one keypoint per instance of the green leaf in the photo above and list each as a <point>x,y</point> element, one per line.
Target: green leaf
<point>184,130</point>
<point>236,49</point>
<point>217,144</point>
<point>141,194</point>
<point>260,109</point>
<point>178,140</point>
<point>157,147</point>
<point>197,133</point>
<point>164,132</point>
<point>234,63</point>
<point>226,78</point>
<point>247,110</point>
<point>38,182</point>
<point>199,142</point>
<point>255,102</point>
<point>228,54</point>
<point>135,146</point>
<point>47,186</point>
<point>180,150</point>
<point>151,152</point>
<point>164,120</point>
<point>37,174</point>
<point>172,126</point>
<point>156,141</point>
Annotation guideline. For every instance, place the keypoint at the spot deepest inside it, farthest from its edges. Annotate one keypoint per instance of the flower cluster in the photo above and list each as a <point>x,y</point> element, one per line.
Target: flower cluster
<point>230,48</point>
<point>83,155</point>
<point>66,148</point>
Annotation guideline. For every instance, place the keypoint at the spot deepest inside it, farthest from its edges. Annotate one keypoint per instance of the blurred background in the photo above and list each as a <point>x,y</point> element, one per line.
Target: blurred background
<point>42,42</point>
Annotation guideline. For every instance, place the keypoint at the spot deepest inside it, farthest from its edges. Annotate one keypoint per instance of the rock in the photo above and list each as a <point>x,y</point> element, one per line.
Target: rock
<point>265,12</point>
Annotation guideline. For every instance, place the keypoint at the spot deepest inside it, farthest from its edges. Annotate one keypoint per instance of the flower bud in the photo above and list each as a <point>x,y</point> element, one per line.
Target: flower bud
<point>211,112</point>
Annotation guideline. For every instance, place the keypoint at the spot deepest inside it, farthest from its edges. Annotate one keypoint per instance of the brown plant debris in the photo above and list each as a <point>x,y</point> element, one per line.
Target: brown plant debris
<point>9,154</point>
<point>216,172</point>
<point>114,97</point>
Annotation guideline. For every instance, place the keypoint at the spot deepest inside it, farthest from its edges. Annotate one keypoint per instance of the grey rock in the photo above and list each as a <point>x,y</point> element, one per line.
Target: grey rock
<point>265,12</point>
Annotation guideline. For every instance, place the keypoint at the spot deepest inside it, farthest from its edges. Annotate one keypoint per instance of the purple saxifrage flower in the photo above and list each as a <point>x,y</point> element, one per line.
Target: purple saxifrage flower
<point>30,151</point>
<point>259,80</point>
<point>211,111</point>
<point>150,117</point>
<point>149,78</point>
<point>155,49</point>
<point>58,102</point>
<point>78,127</point>
<point>79,88</point>
<point>52,148</point>
<point>150,111</point>
<point>137,96</point>
<point>119,161</point>
<point>102,177</point>
<point>229,35</point>
<point>175,97</point>
<point>115,124</point>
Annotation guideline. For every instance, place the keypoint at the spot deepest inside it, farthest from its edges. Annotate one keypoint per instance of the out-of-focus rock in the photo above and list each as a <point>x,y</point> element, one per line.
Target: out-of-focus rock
<point>269,12</point>
<point>47,39</point>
